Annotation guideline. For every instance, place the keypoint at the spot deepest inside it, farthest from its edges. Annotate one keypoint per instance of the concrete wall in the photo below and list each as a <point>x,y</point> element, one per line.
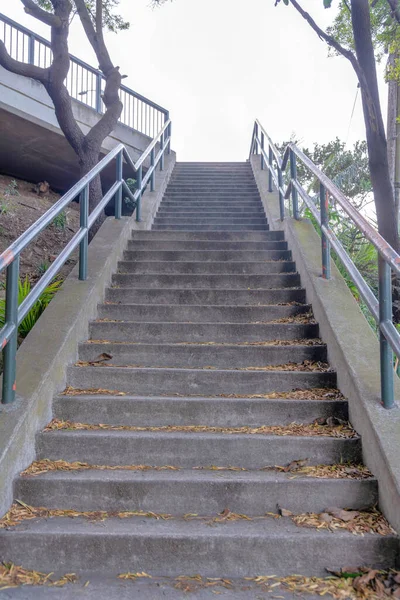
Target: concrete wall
<point>53,343</point>
<point>33,147</point>
<point>353,350</point>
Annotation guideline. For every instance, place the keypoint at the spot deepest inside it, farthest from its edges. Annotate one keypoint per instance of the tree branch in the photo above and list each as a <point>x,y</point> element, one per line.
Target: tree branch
<point>335,44</point>
<point>96,41</point>
<point>394,6</point>
<point>20,68</point>
<point>32,9</point>
<point>99,18</point>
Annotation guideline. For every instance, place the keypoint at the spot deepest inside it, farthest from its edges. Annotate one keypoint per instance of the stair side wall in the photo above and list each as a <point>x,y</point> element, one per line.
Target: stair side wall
<point>353,350</point>
<point>52,344</point>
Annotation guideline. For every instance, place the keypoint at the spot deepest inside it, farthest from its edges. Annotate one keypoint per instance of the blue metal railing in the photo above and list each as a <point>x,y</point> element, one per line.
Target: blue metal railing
<point>84,83</point>
<point>9,259</point>
<point>388,259</point>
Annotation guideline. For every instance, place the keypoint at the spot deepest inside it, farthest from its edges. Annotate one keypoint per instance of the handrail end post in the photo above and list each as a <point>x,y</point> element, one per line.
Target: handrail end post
<point>281,199</point>
<point>10,350</point>
<point>139,200</point>
<point>386,353</point>
<point>326,247</point>
<point>169,136</point>
<point>262,155</point>
<point>152,158</point>
<point>293,175</point>
<point>119,177</point>
<point>270,161</point>
<point>83,246</point>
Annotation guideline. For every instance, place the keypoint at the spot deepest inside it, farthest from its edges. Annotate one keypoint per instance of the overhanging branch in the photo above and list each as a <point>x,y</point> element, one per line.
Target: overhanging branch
<point>394,7</point>
<point>20,68</point>
<point>31,8</point>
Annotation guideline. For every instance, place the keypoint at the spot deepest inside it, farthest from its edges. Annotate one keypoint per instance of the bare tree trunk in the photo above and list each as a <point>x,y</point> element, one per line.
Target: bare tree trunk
<point>391,121</point>
<point>376,138</point>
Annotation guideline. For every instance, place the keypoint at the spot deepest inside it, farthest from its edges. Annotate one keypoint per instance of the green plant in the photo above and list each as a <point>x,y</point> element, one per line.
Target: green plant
<point>130,204</point>
<point>24,289</point>
<point>42,268</point>
<point>60,221</point>
<point>4,207</point>
<point>12,188</point>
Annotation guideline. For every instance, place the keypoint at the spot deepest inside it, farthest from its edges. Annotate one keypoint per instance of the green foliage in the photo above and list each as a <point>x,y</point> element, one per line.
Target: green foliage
<point>24,288</point>
<point>4,206</point>
<point>60,221</point>
<point>42,268</point>
<point>111,21</point>
<point>349,170</point>
<point>131,183</point>
<point>12,189</point>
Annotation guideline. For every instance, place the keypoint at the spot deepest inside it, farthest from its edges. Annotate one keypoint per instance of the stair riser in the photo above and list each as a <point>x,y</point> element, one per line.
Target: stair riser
<point>205,297</point>
<point>178,497</point>
<point>237,206</point>
<point>207,281</point>
<point>211,555</point>
<point>209,220</point>
<point>170,244</point>
<point>209,236</point>
<point>187,451</point>
<point>212,256</point>
<point>198,313</point>
<point>214,412</point>
<point>207,382</point>
<point>227,227</point>
<point>245,268</point>
<point>212,196</point>
<point>185,214</point>
<point>229,357</point>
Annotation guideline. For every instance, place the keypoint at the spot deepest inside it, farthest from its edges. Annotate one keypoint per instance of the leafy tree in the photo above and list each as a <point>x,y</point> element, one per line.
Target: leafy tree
<point>363,61</point>
<point>95,16</point>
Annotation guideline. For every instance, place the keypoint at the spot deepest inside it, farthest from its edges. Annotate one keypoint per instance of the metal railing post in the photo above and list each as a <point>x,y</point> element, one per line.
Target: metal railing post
<point>169,135</point>
<point>385,314</point>
<point>281,199</point>
<point>118,195</point>
<point>270,161</point>
<point>162,155</point>
<point>152,157</point>
<point>10,351</point>
<point>255,147</point>
<point>31,50</point>
<point>326,248</point>
<point>262,155</point>
<point>99,81</point>
<point>293,176</point>
<point>139,200</point>
<point>83,246</point>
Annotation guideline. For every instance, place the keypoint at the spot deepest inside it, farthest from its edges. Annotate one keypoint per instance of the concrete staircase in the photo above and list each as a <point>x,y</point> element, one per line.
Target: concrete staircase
<point>195,329</point>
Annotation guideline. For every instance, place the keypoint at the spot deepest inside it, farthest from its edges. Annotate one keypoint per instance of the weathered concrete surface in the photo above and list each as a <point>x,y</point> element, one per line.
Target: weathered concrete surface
<point>33,147</point>
<point>353,351</point>
<point>53,342</point>
<point>193,491</point>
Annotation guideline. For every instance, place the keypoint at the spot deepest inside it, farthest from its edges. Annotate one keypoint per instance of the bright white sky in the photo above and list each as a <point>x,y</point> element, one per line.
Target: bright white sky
<point>218,64</point>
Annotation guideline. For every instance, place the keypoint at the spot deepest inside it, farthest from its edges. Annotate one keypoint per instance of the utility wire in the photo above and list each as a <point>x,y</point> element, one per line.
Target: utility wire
<point>352,114</point>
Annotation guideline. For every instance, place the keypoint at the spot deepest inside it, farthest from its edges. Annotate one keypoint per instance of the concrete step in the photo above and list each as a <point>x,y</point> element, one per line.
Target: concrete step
<point>204,382</point>
<point>214,412</point>
<point>214,212</point>
<point>192,450</point>
<point>227,356</point>
<point>212,196</point>
<point>208,256</point>
<point>140,332</point>
<point>204,219</point>
<point>280,280</point>
<point>198,313</point>
<point>221,227</point>
<point>236,205</point>
<point>243,268</point>
<point>205,297</point>
<point>198,245</point>
<point>211,236</point>
<point>186,492</point>
<point>207,187</point>
<point>176,546</point>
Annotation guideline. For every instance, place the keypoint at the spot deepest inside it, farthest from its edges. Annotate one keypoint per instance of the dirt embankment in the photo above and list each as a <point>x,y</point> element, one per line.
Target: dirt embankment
<point>20,206</point>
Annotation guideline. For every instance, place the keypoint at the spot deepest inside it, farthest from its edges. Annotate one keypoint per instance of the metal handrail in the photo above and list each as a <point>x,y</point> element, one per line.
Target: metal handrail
<point>9,259</point>
<point>388,258</point>
<point>84,82</point>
